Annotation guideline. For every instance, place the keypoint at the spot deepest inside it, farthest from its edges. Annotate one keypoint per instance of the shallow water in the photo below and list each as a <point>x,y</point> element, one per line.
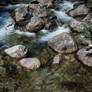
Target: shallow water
<point>69,76</point>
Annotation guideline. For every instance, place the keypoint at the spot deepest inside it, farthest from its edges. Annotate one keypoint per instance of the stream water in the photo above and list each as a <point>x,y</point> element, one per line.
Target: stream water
<point>69,76</point>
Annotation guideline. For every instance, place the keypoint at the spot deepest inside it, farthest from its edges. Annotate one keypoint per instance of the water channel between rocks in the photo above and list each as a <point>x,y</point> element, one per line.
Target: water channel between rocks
<point>69,76</point>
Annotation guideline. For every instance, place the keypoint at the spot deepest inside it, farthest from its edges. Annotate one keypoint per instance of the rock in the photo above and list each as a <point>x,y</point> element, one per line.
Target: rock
<point>47,3</point>
<point>77,26</point>
<point>56,60</point>
<point>17,51</point>
<point>40,12</point>
<point>85,55</point>
<point>35,24</point>
<point>63,43</point>
<point>79,11</point>
<point>30,63</point>
<point>2,70</point>
<point>20,13</point>
<point>88,18</point>
<point>34,6</point>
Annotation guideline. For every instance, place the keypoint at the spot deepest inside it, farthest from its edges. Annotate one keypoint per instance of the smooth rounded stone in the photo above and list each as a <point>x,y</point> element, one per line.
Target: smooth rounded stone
<point>56,60</point>
<point>35,24</point>
<point>30,63</point>
<point>63,43</point>
<point>79,11</point>
<point>20,13</point>
<point>17,51</point>
<point>85,55</point>
<point>77,26</point>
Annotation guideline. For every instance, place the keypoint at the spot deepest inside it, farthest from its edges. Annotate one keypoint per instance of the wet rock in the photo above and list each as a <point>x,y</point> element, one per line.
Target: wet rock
<point>35,24</point>
<point>85,55</point>
<point>17,51</point>
<point>88,18</point>
<point>30,63</point>
<point>20,13</point>
<point>77,26</point>
<point>34,6</point>
<point>2,70</point>
<point>63,43</point>
<point>40,12</point>
<point>79,11</point>
<point>56,60</point>
<point>47,3</point>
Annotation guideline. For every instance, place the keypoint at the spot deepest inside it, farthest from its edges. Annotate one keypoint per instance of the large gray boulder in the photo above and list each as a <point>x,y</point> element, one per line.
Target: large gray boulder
<point>17,51</point>
<point>85,55</point>
<point>20,13</point>
<point>35,24</point>
<point>79,11</point>
<point>30,63</point>
<point>63,43</point>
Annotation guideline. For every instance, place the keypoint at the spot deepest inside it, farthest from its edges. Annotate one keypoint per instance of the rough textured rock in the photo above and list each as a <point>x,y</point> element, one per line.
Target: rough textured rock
<point>30,63</point>
<point>20,13</point>
<point>85,55</point>
<point>63,43</point>
<point>17,51</point>
<point>79,11</point>
<point>2,70</point>
<point>47,3</point>
<point>34,6</point>
<point>35,24</point>
<point>88,18</point>
<point>77,26</point>
<point>40,12</point>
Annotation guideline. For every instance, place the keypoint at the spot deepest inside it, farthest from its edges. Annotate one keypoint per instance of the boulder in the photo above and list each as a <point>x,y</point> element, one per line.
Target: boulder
<point>47,3</point>
<point>20,13</point>
<point>77,26</point>
<point>85,55</point>
<point>35,24</point>
<point>63,43</point>
<point>17,51</point>
<point>34,6</point>
<point>79,11</point>
<point>40,12</point>
<point>30,63</point>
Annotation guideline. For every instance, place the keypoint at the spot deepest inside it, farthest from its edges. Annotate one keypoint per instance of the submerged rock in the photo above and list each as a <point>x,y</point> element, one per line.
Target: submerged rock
<point>77,26</point>
<point>30,63</point>
<point>17,51</point>
<point>85,55</point>
<point>20,13</point>
<point>79,11</point>
<point>35,24</point>
<point>63,43</point>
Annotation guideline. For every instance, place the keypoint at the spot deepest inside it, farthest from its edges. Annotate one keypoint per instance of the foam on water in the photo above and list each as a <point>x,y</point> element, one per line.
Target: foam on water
<point>57,31</point>
<point>28,34</point>
<point>63,16</point>
<point>6,26</point>
<point>16,5</point>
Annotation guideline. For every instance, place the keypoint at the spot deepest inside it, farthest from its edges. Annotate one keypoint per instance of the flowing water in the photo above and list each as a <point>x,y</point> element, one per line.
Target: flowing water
<point>69,76</point>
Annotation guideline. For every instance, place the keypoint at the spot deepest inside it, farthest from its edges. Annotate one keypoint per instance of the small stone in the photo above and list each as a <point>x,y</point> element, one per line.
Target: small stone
<point>17,51</point>
<point>30,63</point>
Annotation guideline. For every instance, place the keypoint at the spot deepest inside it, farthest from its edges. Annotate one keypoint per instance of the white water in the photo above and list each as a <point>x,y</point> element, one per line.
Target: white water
<point>58,31</point>
<point>28,34</point>
<point>6,26</point>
